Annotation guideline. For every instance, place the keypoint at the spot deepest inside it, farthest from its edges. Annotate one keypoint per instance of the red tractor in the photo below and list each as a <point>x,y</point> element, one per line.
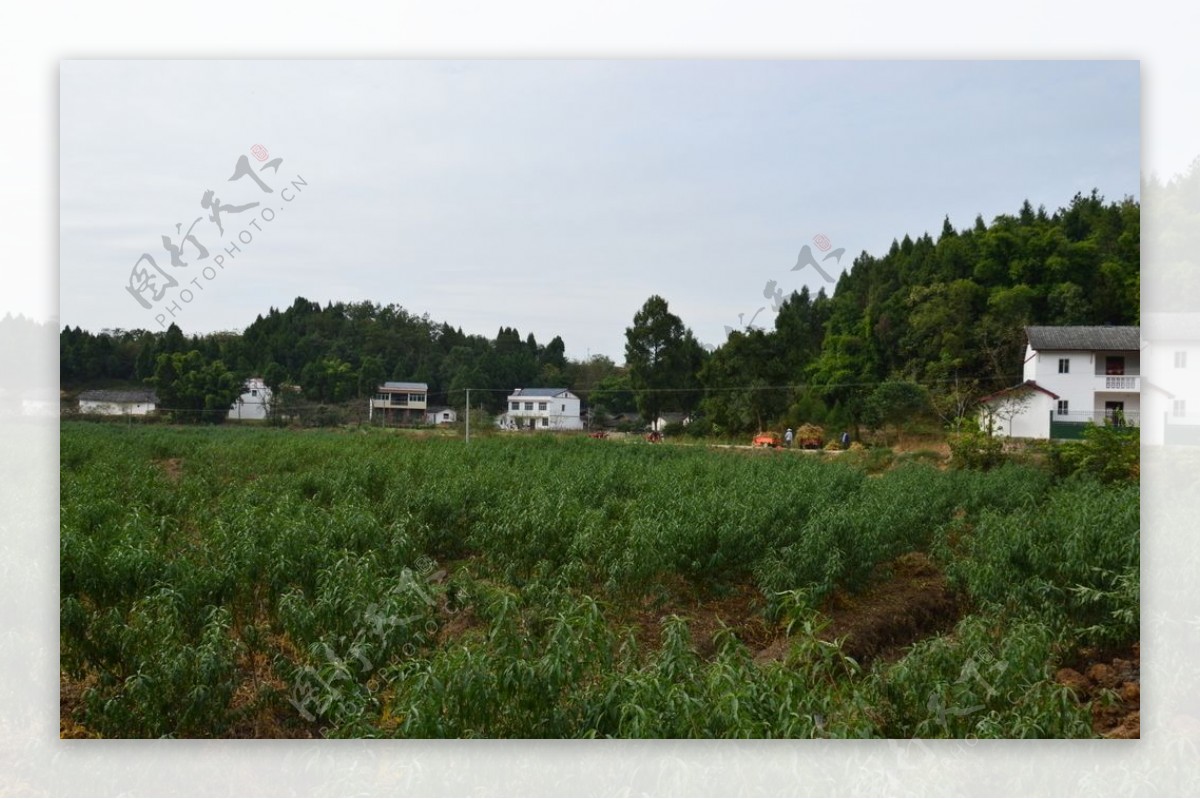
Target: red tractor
<point>767,440</point>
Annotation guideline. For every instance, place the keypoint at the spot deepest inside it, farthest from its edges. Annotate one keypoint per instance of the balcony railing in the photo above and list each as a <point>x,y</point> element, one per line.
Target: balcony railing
<point>1119,383</point>
<point>1099,417</point>
<point>398,402</point>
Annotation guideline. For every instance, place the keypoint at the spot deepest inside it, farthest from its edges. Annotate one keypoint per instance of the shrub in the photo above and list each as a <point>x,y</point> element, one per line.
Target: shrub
<point>1110,454</point>
<point>975,449</point>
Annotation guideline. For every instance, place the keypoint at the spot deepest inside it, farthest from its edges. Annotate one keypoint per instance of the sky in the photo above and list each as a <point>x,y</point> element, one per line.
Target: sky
<point>551,196</point>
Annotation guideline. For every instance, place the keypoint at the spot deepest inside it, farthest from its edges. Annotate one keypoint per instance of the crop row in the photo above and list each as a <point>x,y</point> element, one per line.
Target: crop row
<point>397,586</point>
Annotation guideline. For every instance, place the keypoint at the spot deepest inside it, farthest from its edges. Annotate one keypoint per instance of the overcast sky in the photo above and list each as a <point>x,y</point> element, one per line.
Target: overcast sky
<point>550,196</point>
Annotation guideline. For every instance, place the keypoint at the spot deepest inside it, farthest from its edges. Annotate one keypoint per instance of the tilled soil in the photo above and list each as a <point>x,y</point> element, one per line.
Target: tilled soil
<point>910,601</point>
<point>1112,683</point>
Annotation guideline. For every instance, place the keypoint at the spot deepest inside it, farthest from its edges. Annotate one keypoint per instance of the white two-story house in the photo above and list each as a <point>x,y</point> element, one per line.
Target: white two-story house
<point>1072,376</point>
<point>542,409</point>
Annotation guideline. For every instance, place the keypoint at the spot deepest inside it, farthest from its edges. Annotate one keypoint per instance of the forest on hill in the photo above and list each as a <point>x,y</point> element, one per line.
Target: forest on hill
<point>942,318</point>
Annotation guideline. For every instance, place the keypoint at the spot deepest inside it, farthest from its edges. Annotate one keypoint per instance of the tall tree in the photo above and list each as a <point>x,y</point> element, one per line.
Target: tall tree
<point>194,390</point>
<point>744,380</point>
<point>662,357</point>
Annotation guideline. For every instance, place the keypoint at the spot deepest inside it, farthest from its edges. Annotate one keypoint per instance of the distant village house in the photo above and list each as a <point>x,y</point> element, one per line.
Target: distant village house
<point>138,402</point>
<point>399,402</point>
<point>672,417</point>
<point>542,409</point>
<point>254,403</point>
<point>437,416</point>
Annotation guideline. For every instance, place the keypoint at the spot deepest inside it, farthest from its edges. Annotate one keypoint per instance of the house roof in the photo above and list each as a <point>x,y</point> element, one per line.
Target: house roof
<point>1095,337</point>
<point>402,386</point>
<point>1028,385</point>
<point>136,395</point>
<point>539,392</point>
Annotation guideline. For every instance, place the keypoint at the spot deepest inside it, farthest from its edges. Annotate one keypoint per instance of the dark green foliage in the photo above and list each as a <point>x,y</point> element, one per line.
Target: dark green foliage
<point>663,358</point>
<point>979,683</point>
<point>1072,559</point>
<point>973,448</point>
<point>1107,452</point>
<point>192,389</point>
<point>896,403</point>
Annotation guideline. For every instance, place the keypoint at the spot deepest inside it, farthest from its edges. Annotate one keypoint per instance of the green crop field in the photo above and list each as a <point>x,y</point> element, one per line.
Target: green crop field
<point>263,583</point>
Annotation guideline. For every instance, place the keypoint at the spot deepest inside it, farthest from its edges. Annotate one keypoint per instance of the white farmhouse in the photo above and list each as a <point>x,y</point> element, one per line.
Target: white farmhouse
<point>118,403</point>
<point>542,409</point>
<point>672,417</point>
<point>441,415</point>
<point>1072,376</point>
<point>254,403</point>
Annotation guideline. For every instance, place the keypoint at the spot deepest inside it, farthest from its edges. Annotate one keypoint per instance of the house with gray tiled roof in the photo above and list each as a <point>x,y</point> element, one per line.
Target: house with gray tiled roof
<point>542,409</point>
<point>440,414</point>
<point>1072,376</point>
<point>136,402</point>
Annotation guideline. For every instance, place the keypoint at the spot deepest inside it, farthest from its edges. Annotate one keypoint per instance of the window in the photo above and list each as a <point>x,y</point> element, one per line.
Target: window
<point>1181,360</point>
<point>529,406</point>
<point>514,406</point>
<point>1179,408</point>
<point>1062,408</point>
<point>416,397</point>
<point>1114,365</point>
<point>254,392</point>
<point>564,408</point>
<point>541,406</point>
<point>1064,366</point>
<point>545,422</point>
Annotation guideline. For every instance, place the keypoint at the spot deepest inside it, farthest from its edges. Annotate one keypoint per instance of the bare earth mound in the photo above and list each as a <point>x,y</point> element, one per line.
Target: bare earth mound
<point>1113,686</point>
<point>914,602</point>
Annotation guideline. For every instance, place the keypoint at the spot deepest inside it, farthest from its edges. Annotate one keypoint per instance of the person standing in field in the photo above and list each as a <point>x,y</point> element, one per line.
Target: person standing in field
<point>787,438</point>
<point>845,440</point>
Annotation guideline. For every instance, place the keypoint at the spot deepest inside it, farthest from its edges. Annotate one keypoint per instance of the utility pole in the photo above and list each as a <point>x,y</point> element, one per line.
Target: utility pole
<point>468,409</point>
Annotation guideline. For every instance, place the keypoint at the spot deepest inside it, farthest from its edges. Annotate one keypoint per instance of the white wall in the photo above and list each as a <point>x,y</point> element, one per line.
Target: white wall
<point>1033,422</point>
<point>116,408</point>
<point>561,413</point>
<point>254,403</point>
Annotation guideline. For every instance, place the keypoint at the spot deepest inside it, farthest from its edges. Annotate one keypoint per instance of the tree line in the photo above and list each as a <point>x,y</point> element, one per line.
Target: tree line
<point>924,328</point>
<point>334,353</point>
